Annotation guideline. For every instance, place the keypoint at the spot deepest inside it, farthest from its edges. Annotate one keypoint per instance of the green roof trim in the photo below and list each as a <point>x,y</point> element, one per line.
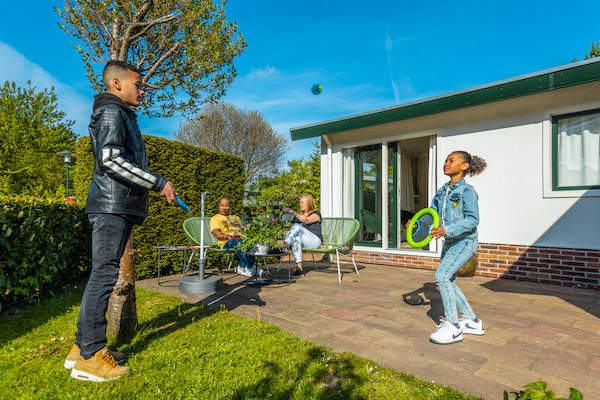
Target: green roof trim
<point>552,79</point>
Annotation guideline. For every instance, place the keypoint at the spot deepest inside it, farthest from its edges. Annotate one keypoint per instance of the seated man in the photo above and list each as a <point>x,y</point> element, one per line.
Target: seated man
<point>228,231</point>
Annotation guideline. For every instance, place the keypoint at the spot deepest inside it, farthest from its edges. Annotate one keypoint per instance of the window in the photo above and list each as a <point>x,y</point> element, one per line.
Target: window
<point>576,151</point>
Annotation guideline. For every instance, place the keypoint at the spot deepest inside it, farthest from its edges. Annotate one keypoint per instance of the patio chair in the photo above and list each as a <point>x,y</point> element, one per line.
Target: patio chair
<point>371,223</point>
<point>192,228</point>
<point>338,237</point>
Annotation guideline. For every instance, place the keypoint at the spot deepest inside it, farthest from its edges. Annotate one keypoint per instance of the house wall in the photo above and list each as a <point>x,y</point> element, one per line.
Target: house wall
<point>518,208</point>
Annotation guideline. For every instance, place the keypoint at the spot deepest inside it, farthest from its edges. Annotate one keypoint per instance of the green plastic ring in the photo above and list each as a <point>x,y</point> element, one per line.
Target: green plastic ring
<point>419,214</point>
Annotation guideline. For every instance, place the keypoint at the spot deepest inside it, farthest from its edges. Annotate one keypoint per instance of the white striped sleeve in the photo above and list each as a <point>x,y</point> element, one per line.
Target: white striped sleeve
<point>111,159</point>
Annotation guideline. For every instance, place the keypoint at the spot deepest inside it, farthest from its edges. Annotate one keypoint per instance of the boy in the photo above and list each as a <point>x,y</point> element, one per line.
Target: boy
<point>117,199</point>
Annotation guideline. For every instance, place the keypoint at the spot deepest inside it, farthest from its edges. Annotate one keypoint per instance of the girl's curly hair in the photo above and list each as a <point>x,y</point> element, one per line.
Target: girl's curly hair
<point>476,163</point>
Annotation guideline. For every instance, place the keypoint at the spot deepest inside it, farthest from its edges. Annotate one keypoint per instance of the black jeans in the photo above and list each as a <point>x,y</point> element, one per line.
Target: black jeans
<point>109,237</point>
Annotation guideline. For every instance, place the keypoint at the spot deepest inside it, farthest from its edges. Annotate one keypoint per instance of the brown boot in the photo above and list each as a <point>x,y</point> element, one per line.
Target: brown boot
<point>74,356</point>
<point>101,367</point>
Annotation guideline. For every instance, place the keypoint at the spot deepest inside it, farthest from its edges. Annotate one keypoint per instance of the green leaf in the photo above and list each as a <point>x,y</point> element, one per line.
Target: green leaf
<point>575,394</point>
<point>539,385</point>
<point>538,396</point>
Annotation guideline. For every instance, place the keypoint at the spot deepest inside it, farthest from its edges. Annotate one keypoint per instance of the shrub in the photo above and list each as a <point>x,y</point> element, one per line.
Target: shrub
<point>44,244</point>
<point>538,391</point>
<point>192,170</point>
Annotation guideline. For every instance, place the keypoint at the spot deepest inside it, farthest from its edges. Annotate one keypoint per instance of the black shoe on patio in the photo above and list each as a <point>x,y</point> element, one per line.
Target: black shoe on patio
<point>298,272</point>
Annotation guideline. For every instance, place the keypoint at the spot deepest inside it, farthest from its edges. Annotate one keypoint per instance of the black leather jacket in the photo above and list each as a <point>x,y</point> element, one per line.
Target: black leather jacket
<point>121,180</point>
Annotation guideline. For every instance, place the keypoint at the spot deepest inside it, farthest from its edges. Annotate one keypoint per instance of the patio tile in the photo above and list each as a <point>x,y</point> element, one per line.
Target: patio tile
<point>594,364</point>
<point>517,376</point>
<point>592,326</point>
<point>347,313</point>
<point>571,373</point>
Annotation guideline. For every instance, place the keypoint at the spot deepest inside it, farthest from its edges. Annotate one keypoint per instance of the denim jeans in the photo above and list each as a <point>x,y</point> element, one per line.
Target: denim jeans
<point>109,237</point>
<point>299,237</point>
<point>455,254</point>
<point>246,261</point>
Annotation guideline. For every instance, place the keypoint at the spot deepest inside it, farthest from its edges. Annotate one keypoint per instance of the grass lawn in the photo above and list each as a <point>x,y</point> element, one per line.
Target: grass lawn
<point>184,351</point>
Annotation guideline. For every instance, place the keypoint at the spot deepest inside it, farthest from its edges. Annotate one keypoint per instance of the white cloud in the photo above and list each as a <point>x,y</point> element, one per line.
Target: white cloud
<point>264,73</point>
<point>14,66</point>
<point>286,101</point>
<point>404,85</point>
<point>389,43</point>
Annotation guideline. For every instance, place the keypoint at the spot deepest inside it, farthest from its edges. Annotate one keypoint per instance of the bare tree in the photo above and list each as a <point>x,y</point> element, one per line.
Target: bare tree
<point>184,48</point>
<point>246,134</point>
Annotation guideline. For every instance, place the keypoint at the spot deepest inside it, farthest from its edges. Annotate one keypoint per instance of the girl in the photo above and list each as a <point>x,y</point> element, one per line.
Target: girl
<point>456,203</point>
<point>305,230</point>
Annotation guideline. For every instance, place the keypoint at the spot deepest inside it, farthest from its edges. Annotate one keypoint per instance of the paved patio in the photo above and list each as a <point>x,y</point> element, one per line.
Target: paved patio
<point>533,331</point>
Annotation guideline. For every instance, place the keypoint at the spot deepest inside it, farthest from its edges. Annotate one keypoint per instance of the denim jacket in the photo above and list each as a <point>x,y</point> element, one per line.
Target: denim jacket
<point>460,216</point>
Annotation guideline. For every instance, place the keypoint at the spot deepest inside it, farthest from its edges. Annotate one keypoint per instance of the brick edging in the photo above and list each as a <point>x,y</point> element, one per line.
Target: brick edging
<point>554,265</point>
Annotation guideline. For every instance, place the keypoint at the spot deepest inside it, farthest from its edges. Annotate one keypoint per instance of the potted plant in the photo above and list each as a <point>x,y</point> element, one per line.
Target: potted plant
<point>264,232</point>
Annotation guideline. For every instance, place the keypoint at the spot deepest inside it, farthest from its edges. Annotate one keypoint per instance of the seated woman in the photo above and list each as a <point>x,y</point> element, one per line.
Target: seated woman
<point>305,231</point>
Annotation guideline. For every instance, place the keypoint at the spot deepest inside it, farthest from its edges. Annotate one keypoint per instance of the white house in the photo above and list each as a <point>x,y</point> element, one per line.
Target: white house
<point>539,197</point>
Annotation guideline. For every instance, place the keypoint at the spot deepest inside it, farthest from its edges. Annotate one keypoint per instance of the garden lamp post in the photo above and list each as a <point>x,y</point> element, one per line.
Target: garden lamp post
<point>66,155</point>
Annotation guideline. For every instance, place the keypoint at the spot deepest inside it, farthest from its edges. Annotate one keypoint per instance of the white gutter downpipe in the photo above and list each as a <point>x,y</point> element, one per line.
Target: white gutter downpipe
<point>329,177</point>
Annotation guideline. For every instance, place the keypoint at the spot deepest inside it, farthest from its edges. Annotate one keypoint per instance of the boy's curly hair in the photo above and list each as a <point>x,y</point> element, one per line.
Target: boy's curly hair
<point>476,163</point>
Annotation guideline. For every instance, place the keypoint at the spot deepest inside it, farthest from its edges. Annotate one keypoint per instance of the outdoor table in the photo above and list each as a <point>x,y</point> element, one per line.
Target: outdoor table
<point>174,248</point>
<point>259,282</point>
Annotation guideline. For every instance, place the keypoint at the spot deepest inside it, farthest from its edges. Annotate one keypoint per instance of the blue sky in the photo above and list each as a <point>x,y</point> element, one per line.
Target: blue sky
<point>367,55</point>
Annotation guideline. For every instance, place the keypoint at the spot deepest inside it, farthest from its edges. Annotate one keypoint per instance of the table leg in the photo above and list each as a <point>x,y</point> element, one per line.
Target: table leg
<point>158,277</point>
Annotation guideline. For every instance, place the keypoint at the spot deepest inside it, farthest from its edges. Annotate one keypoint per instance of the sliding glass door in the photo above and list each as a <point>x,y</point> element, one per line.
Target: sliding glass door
<point>367,164</point>
<point>392,195</point>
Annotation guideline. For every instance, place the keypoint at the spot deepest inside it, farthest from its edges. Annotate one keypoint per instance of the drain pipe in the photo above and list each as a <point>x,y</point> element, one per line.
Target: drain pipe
<point>329,176</point>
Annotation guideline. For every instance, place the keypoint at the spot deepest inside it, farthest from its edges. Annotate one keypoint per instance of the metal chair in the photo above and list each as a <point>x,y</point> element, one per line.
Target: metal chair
<point>192,228</point>
<point>338,237</point>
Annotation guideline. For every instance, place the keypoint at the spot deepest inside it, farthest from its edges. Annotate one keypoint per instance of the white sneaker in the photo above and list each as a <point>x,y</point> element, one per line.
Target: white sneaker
<point>244,271</point>
<point>446,333</point>
<point>471,327</point>
<point>252,271</point>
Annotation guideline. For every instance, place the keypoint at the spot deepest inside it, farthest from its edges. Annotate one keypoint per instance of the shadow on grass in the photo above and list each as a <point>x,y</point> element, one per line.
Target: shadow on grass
<point>183,314</point>
<point>430,292</point>
<point>176,318</point>
<point>313,379</point>
<point>28,319</point>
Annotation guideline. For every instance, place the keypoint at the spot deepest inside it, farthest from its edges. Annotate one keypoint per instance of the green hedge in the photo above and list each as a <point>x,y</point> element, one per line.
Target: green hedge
<point>192,170</point>
<point>44,244</point>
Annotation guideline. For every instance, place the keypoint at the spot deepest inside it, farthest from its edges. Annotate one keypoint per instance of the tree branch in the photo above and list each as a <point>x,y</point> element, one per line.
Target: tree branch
<point>133,25</point>
<point>148,25</point>
<point>152,86</point>
<point>101,21</point>
<point>158,62</point>
<point>116,24</point>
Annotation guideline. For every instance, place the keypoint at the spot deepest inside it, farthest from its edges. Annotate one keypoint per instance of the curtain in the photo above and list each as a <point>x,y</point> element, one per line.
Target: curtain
<point>579,151</point>
<point>348,185</point>
<point>407,199</point>
<point>422,180</point>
